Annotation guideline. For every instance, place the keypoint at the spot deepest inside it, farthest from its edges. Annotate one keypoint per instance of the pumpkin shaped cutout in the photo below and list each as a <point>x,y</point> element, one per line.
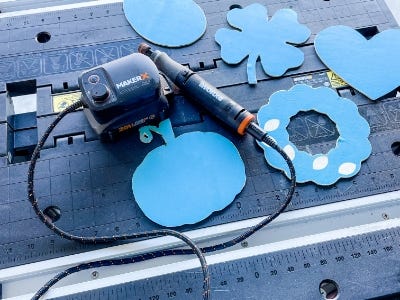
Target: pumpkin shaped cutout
<point>188,178</point>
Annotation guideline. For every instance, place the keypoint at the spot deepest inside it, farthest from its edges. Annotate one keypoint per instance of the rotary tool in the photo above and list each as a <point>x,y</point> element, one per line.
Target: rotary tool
<point>199,90</point>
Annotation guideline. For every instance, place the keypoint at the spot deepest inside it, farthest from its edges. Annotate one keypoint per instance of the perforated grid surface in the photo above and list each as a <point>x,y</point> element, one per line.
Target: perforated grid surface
<point>90,182</point>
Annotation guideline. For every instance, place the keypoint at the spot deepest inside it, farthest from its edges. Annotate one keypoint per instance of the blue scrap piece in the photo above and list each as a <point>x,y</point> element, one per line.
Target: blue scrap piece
<point>171,23</point>
<point>188,178</point>
<point>352,146</point>
<point>256,37</point>
<point>370,66</point>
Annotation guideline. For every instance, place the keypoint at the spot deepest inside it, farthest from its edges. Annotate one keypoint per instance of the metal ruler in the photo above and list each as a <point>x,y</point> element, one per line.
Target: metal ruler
<point>16,5</point>
<point>371,261</point>
<point>350,246</point>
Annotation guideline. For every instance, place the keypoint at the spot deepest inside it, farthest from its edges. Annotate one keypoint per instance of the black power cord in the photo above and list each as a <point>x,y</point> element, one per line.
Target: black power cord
<point>156,233</point>
<point>60,232</point>
<point>134,259</point>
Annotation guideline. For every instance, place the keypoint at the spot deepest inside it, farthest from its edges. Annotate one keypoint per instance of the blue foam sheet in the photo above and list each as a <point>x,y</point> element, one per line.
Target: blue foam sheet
<point>352,146</point>
<point>370,66</point>
<point>188,178</point>
<point>256,37</point>
<point>169,23</point>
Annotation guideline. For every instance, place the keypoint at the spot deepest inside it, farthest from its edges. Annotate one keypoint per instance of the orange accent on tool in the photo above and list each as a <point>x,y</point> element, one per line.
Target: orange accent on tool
<point>242,127</point>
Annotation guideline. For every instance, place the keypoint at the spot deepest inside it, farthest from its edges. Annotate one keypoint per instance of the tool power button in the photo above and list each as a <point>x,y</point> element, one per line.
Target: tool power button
<point>100,93</point>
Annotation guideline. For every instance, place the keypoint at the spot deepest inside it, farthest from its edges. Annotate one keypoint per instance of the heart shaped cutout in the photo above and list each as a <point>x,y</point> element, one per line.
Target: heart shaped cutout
<point>370,66</point>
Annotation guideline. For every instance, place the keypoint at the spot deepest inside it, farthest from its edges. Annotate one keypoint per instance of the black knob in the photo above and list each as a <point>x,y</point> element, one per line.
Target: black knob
<point>100,93</point>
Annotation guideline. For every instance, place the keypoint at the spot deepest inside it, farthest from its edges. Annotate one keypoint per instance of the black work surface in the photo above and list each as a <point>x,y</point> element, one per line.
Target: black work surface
<point>91,182</point>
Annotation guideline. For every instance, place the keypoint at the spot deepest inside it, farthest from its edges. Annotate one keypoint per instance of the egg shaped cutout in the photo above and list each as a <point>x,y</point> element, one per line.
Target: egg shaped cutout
<point>168,23</point>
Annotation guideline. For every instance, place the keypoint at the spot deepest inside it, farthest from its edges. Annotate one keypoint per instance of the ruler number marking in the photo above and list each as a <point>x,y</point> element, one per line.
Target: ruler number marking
<point>388,248</point>
<point>171,294</point>
<point>339,258</point>
<point>323,262</point>
<point>356,255</point>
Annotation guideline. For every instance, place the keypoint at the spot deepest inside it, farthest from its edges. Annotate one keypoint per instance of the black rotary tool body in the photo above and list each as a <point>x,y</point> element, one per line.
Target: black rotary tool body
<point>196,88</point>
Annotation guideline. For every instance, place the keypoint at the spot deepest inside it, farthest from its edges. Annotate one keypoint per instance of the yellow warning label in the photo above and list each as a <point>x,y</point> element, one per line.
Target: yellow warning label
<point>61,101</point>
<point>336,81</point>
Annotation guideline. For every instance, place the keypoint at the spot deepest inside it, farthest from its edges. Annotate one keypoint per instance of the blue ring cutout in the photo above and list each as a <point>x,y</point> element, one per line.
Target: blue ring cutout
<point>352,146</point>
